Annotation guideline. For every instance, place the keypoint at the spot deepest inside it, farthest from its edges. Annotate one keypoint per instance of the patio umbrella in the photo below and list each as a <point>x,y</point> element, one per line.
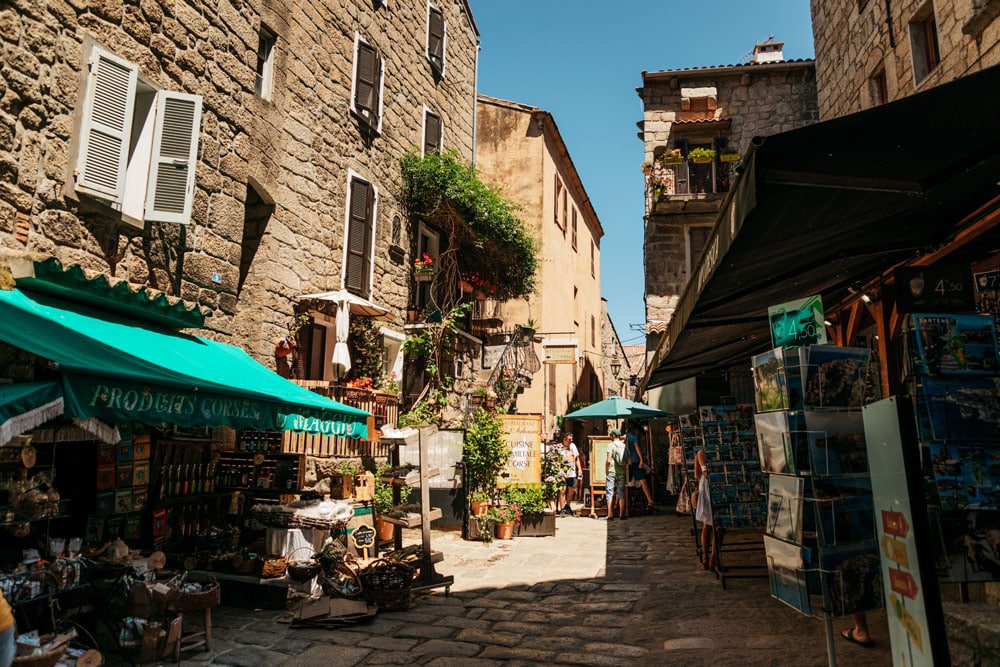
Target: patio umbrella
<point>617,407</point>
<point>347,304</point>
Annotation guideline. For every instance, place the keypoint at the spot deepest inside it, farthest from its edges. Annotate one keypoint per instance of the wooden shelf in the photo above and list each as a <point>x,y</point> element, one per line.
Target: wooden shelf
<point>413,520</point>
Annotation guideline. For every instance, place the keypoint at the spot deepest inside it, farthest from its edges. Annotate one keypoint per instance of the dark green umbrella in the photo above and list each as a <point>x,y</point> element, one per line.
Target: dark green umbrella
<point>617,407</point>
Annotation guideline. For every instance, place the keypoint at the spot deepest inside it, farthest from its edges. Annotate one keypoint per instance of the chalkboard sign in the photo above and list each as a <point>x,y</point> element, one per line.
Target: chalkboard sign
<point>363,536</point>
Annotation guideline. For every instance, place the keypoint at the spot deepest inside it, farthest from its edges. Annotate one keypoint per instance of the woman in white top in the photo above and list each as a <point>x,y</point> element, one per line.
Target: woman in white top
<point>703,513</point>
<point>571,457</point>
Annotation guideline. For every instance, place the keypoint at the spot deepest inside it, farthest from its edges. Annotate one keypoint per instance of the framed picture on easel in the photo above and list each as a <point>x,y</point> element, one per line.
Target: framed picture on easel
<point>597,446</point>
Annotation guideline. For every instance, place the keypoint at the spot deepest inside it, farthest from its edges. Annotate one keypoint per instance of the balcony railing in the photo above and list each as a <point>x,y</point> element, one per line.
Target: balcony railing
<point>383,407</point>
<point>684,178</point>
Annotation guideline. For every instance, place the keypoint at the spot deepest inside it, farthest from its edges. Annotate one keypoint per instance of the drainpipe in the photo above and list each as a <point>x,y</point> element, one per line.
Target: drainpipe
<point>475,100</point>
<point>888,24</point>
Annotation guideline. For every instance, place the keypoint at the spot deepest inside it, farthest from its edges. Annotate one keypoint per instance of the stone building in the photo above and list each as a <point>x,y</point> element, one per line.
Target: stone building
<point>237,155</point>
<point>719,110</point>
<point>521,153</point>
<point>870,52</point>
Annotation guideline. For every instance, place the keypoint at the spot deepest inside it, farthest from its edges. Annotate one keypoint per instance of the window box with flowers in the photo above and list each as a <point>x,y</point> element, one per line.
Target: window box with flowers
<point>672,156</point>
<point>423,268</point>
<point>729,156</point>
<point>701,155</point>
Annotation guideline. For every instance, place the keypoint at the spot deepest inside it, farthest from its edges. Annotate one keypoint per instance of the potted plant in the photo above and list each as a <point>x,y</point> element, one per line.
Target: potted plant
<point>505,519</point>
<point>526,331</point>
<point>701,155</point>
<point>479,502</point>
<point>423,268</point>
<point>485,455</point>
<point>532,504</point>
<point>671,156</point>
<point>478,396</point>
<point>729,156</point>
<point>382,502</point>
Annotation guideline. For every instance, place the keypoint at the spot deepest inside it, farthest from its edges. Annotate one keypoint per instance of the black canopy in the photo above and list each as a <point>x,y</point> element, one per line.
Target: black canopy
<point>822,208</point>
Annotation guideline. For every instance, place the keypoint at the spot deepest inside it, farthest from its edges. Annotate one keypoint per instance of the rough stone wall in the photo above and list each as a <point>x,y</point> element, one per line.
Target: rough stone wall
<point>295,149</point>
<point>852,46</point>
<point>758,100</point>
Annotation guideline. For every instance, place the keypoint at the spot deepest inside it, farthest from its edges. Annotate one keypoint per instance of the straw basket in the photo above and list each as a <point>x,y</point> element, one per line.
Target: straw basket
<point>387,584</point>
<point>210,595</point>
<point>302,569</point>
<point>273,567</point>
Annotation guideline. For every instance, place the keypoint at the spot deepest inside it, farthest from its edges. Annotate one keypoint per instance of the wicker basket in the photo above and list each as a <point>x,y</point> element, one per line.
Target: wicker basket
<point>302,569</point>
<point>330,555</point>
<point>273,567</point>
<point>47,659</point>
<point>209,596</point>
<point>387,583</point>
<point>343,581</point>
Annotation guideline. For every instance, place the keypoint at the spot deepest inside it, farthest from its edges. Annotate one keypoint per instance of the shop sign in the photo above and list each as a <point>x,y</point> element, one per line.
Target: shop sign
<point>798,323</point>
<point>560,354</point>
<point>523,434</point>
<point>118,401</point>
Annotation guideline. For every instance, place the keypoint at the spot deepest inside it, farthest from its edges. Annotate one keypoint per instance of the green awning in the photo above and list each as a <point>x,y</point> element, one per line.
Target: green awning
<point>27,405</point>
<point>118,369</point>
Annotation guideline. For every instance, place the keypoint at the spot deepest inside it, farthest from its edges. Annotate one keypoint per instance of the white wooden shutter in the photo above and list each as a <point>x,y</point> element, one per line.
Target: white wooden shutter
<point>106,125</point>
<point>170,191</point>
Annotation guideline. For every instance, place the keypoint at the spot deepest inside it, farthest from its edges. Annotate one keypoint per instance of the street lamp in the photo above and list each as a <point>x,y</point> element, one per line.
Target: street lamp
<point>616,366</point>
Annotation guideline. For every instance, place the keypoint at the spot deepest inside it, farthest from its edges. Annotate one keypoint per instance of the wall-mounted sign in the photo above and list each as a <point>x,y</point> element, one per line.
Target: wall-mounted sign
<point>798,323</point>
<point>941,288</point>
<point>560,350</point>
<point>523,434</point>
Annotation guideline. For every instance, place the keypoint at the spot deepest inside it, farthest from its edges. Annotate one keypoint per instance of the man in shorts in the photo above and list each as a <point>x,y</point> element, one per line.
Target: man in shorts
<point>571,458</point>
<point>614,468</point>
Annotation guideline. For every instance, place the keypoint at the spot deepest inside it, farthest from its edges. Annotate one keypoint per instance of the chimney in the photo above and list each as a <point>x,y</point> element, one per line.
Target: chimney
<point>768,51</point>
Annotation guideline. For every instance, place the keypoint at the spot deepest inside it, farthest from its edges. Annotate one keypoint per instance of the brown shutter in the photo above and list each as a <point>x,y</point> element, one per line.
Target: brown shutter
<point>366,84</point>
<point>432,133</point>
<point>435,38</point>
<point>359,238</point>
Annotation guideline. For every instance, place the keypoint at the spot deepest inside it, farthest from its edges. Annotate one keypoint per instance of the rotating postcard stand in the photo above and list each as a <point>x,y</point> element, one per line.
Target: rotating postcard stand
<point>820,538</point>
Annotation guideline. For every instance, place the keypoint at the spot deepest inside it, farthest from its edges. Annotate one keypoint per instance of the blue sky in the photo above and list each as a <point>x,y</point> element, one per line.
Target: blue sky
<point>582,60</point>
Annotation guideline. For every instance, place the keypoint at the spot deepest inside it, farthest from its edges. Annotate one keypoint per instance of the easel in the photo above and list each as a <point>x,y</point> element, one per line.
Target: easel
<point>597,446</point>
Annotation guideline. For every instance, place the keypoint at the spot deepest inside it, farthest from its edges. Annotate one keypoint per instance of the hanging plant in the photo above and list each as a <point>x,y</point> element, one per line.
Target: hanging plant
<point>485,235</point>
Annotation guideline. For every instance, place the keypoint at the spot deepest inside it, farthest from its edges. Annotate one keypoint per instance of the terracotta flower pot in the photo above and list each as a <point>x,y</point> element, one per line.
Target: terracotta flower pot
<point>504,531</point>
<point>479,507</point>
<point>384,529</point>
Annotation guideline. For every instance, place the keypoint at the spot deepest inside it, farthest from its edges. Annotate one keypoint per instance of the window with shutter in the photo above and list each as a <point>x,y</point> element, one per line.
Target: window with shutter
<point>555,205</point>
<point>137,145</point>
<point>106,126</point>
<point>358,242</point>
<point>366,99</point>
<point>435,38</point>
<point>175,151</point>
<point>574,228</point>
<point>433,129</point>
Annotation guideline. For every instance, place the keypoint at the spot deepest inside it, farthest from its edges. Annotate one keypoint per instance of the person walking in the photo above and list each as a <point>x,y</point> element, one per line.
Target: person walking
<point>637,467</point>
<point>614,470</point>
<point>703,513</point>
<point>571,459</point>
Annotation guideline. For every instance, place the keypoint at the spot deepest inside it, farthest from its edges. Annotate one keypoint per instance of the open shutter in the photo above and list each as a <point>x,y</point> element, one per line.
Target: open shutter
<point>432,133</point>
<point>105,126</point>
<point>358,263</point>
<point>435,38</point>
<point>366,85</point>
<point>175,153</point>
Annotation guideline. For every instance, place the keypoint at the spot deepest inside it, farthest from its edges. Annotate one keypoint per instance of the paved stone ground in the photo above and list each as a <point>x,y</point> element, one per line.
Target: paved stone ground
<point>598,593</point>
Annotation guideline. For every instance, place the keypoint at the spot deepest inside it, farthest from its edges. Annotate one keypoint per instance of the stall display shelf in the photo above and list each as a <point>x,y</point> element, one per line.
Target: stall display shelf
<point>10,514</point>
<point>411,520</point>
